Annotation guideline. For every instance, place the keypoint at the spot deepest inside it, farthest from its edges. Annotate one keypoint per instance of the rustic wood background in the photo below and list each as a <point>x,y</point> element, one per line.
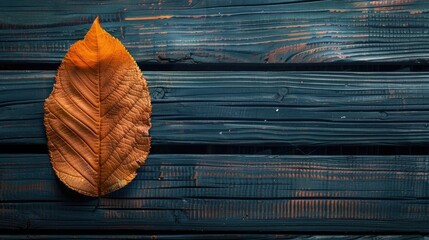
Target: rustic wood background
<point>272,119</point>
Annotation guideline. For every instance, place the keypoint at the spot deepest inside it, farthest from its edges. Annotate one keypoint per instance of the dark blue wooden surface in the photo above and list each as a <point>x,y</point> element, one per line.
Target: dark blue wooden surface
<point>206,192</point>
<point>239,31</point>
<point>265,108</point>
<point>221,161</point>
<point>202,236</point>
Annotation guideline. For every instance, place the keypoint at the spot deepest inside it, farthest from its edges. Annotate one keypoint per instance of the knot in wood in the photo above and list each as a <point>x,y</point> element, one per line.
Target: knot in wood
<point>158,93</point>
<point>281,93</point>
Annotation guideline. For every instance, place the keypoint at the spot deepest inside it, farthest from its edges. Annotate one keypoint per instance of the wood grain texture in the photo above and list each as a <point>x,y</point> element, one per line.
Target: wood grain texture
<point>264,193</point>
<point>201,31</point>
<point>280,108</point>
<point>217,236</point>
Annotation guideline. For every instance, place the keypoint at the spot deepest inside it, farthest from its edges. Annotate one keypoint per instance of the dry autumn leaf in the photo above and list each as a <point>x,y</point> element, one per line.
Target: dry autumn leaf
<point>97,117</point>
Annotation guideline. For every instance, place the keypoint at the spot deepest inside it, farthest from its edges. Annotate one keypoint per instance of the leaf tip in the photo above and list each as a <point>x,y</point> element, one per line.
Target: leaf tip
<point>96,24</point>
<point>96,20</point>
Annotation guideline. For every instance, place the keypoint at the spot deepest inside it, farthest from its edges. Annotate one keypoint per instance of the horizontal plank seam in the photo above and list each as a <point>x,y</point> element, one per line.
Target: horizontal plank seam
<point>254,67</point>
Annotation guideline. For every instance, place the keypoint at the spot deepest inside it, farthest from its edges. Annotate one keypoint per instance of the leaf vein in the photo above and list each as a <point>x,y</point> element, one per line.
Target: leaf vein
<point>116,122</point>
<point>73,116</point>
<point>77,89</point>
<point>66,158</point>
<point>68,127</point>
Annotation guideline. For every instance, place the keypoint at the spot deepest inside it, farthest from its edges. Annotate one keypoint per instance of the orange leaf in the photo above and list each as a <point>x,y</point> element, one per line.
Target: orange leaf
<point>97,117</point>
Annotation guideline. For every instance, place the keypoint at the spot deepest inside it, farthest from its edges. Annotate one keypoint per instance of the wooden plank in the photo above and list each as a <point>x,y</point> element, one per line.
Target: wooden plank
<point>195,31</point>
<point>292,108</point>
<point>263,193</point>
<point>217,236</point>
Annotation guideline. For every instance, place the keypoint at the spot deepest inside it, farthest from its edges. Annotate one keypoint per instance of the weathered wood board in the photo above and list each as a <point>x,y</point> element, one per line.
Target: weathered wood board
<point>211,194</point>
<point>196,31</point>
<point>216,237</point>
<point>255,193</point>
<point>277,108</point>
